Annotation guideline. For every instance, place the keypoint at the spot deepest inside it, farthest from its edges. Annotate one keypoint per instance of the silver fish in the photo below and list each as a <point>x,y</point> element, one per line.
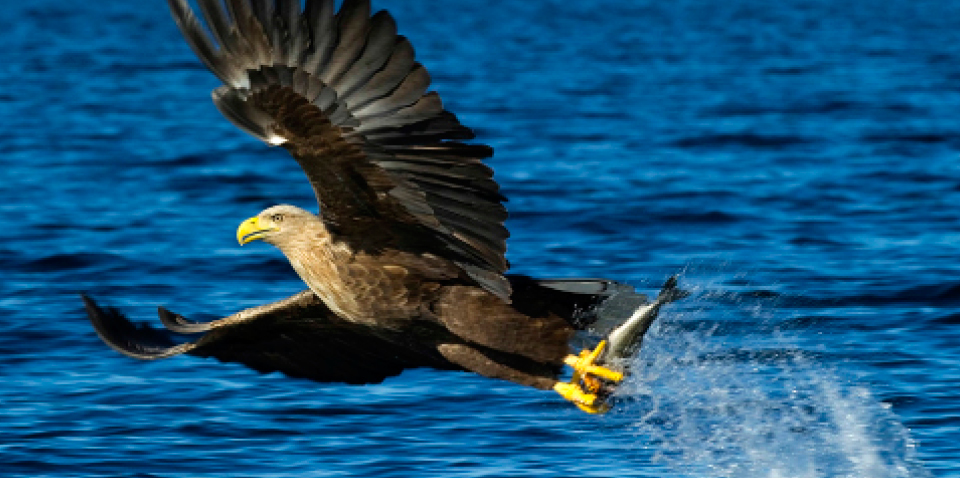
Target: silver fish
<point>625,340</point>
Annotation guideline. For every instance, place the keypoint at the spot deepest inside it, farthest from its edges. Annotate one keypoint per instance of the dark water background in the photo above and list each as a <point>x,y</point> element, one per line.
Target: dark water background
<point>795,160</point>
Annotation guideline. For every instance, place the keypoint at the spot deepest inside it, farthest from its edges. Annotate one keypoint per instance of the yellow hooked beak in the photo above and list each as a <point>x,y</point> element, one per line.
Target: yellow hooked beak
<point>251,230</point>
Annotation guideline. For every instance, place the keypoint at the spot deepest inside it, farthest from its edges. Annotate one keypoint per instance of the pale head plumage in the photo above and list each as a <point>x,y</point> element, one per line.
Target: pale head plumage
<point>279,225</point>
<point>304,240</point>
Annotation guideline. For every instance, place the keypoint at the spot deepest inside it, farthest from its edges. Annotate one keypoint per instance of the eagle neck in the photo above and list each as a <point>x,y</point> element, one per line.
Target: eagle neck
<point>320,262</point>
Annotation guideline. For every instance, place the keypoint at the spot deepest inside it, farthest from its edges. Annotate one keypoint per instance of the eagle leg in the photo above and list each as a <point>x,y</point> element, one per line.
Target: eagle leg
<point>591,384</point>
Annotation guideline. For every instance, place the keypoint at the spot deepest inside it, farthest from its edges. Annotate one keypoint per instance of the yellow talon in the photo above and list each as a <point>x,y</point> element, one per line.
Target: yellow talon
<point>587,402</point>
<point>598,409</point>
<point>573,393</point>
<point>583,365</point>
<point>586,382</point>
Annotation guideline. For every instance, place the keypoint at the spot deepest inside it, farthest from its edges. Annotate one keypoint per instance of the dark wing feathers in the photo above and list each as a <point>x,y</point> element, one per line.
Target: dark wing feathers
<point>137,341</point>
<point>353,25</point>
<point>344,94</point>
<point>241,113</point>
<point>319,15</point>
<point>298,337</point>
<point>379,47</point>
<point>302,349</point>
<point>405,94</point>
<point>384,81</point>
<point>216,20</point>
<point>442,126</point>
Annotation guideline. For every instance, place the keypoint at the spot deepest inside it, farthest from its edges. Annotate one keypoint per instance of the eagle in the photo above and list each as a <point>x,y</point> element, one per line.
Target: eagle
<point>404,264</point>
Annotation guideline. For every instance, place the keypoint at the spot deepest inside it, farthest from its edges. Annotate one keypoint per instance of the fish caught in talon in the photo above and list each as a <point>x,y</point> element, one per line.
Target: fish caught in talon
<point>591,375</point>
<point>589,380</point>
<point>585,365</point>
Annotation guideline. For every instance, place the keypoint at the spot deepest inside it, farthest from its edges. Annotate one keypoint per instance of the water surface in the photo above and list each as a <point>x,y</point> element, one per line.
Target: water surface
<point>796,161</point>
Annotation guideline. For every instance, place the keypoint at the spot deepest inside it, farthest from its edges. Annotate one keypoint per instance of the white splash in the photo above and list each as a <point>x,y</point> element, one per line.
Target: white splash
<point>757,405</point>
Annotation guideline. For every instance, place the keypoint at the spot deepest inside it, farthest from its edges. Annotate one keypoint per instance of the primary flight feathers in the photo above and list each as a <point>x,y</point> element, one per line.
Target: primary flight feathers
<point>297,336</point>
<point>342,92</point>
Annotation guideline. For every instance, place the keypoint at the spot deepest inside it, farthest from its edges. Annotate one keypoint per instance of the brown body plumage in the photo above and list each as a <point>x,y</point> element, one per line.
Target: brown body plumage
<point>405,262</point>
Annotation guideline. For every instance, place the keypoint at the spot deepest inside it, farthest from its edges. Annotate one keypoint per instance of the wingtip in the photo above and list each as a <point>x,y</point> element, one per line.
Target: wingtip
<point>180,10</point>
<point>122,335</point>
<point>96,315</point>
<point>87,301</point>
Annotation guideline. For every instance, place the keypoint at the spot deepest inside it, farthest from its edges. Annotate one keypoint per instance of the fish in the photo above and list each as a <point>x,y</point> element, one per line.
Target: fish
<point>624,342</point>
<point>599,372</point>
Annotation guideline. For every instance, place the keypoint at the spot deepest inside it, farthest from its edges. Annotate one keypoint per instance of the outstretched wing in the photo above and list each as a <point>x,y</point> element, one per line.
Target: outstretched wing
<point>297,336</point>
<point>343,93</point>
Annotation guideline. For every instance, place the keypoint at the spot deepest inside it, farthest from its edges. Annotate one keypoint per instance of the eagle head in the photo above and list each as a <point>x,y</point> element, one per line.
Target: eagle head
<point>274,224</point>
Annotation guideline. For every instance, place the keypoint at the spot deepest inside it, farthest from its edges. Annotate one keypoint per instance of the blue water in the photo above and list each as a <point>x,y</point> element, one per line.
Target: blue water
<point>796,161</point>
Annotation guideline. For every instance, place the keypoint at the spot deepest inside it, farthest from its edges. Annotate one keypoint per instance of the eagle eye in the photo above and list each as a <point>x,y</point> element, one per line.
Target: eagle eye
<point>277,217</point>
